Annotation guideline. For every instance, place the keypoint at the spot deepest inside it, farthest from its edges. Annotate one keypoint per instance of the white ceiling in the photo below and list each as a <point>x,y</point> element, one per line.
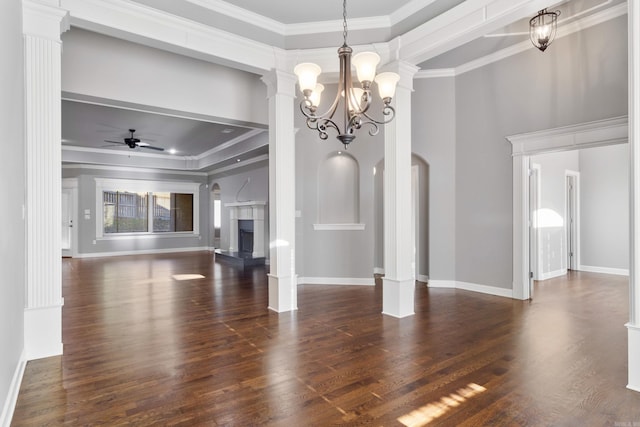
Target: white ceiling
<point>286,24</point>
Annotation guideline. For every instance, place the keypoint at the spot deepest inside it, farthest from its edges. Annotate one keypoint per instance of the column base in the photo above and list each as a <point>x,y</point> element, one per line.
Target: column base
<point>634,357</point>
<point>398,297</point>
<point>283,293</point>
<point>43,332</point>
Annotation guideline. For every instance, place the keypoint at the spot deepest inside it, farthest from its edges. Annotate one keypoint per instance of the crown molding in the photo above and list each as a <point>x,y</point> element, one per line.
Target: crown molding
<point>149,26</point>
<point>303,28</point>
<point>131,169</point>
<point>247,162</point>
<point>596,133</point>
<point>435,73</point>
<point>568,29</point>
<point>565,30</point>
<point>231,143</point>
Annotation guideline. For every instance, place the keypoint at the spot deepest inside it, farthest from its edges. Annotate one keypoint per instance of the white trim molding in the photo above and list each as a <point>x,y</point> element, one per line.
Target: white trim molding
<point>605,270</point>
<point>573,137</point>
<point>473,287</point>
<point>338,227</point>
<point>9,405</point>
<point>553,274</point>
<point>584,135</point>
<point>144,252</point>
<point>339,281</point>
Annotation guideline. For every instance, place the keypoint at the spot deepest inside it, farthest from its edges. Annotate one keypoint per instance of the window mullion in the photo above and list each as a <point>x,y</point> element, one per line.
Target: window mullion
<point>150,212</point>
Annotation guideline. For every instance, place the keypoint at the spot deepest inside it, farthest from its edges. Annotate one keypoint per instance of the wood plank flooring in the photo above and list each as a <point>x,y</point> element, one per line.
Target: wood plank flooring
<point>141,348</point>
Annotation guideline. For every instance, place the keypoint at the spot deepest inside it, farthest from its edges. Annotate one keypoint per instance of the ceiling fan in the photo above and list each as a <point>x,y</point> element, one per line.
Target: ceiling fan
<point>133,142</point>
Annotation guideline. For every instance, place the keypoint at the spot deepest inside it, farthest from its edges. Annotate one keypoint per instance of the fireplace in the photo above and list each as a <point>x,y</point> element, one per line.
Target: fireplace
<point>245,236</point>
<point>246,226</point>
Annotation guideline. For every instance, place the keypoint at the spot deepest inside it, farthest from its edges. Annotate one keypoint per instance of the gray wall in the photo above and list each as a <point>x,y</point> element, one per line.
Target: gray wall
<point>604,209</point>
<point>256,189</point>
<point>334,253</point>
<point>580,78</point>
<point>434,140</point>
<point>12,184</point>
<point>552,239</point>
<point>87,200</point>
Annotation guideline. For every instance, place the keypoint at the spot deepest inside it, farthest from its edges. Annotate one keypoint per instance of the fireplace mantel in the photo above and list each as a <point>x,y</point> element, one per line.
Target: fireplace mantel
<point>250,210</point>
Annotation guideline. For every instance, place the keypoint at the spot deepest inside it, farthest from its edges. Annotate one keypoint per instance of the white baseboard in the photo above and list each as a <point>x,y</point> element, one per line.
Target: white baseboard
<point>43,331</point>
<point>378,270</point>
<point>142,252</point>
<point>14,389</point>
<point>422,278</point>
<point>634,360</point>
<point>552,274</point>
<point>449,284</point>
<point>605,270</point>
<point>473,287</point>
<point>341,281</point>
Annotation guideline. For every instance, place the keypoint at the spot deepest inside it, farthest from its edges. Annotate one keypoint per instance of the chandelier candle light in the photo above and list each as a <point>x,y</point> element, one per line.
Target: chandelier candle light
<point>356,103</point>
<point>542,28</point>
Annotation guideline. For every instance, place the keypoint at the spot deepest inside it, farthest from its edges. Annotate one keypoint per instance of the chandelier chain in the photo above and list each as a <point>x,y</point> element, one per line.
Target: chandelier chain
<point>344,21</point>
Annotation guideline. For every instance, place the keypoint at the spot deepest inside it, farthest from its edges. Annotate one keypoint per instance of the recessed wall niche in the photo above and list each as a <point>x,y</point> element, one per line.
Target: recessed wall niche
<point>338,189</point>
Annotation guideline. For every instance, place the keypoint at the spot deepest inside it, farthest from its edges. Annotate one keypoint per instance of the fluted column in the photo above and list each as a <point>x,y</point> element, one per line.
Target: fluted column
<point>283,294</point>
<point>398,285</point>
<point>42,25</point>
<point>633,327</point>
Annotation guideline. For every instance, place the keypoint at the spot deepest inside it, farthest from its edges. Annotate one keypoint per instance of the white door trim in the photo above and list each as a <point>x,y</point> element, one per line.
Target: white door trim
<point>591,134</point>
<point>72,184</point>
<point>576,226</point>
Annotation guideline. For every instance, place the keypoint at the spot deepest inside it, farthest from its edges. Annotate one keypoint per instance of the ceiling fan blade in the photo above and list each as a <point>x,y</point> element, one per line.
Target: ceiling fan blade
<point>115,142</point>
<point>151,147</point>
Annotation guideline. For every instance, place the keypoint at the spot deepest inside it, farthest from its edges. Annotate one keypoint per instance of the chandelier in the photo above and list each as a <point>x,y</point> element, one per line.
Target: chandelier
<point>542,28</point>
<point>355,101</point>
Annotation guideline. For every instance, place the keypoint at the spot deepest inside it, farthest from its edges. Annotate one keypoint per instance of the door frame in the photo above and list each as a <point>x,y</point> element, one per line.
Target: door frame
<point>72,184</point>
<point>572,230</point>
<point>598,133</point>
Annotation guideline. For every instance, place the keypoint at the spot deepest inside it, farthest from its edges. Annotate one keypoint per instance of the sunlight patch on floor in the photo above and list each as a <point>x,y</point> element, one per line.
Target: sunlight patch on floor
<point>433,410</point>
<point>187,276</point>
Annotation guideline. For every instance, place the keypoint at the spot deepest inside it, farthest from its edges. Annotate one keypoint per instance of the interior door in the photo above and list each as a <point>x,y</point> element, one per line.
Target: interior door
<point>67,222</point>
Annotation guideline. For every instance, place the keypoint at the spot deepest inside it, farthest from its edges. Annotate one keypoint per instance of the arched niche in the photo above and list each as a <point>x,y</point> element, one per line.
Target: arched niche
<point>338,189</point>
<point>420,216</point>
<point>215,216</point>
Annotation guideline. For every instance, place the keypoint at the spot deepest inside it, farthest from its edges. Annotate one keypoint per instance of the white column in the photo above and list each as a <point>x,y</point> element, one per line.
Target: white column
<point>42,26</point>
<point>633,327</point>
<point>283,294</point>
<point>398,285</point>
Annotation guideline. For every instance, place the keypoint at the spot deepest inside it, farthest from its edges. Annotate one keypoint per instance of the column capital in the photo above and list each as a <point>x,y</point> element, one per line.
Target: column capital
<point>44,18</point>
<point>280,82</point>
<point>405,70</point>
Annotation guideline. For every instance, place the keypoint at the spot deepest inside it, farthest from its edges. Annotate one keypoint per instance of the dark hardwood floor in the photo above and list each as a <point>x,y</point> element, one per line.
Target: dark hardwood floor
<point>141,348</point>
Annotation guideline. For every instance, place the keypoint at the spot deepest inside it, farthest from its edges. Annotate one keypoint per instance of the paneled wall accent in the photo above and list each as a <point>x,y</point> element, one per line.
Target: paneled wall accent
<point>42,26</point>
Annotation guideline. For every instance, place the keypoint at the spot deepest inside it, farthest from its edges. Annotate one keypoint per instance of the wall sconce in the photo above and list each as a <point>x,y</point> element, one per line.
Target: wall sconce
<point>542,28</point>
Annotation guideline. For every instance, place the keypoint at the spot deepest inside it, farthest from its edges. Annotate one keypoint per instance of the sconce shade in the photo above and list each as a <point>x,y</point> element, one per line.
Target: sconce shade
<point>307,73</point>
<point>387,84</point>
<point>366,63</point>
<point>542,28</point>
<point>316,94</point>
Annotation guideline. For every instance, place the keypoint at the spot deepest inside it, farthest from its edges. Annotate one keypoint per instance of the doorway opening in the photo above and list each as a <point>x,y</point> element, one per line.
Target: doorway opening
<point>419,217</point>
<point>215,216</point>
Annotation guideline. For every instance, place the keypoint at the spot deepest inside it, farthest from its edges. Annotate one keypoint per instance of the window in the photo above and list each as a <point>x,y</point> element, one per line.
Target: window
<point>146,208</point>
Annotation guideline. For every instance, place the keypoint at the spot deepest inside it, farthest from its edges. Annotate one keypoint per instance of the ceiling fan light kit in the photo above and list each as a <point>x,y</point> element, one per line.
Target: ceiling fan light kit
<point>355,101</point>
<point>133,142</point>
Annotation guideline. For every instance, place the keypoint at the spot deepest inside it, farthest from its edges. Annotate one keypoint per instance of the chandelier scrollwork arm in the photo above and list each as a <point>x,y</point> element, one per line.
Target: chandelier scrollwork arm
<point>355,101</point>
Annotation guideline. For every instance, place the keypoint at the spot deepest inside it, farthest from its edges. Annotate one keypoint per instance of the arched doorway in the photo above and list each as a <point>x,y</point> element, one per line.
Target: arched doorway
<point>419,216</point>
